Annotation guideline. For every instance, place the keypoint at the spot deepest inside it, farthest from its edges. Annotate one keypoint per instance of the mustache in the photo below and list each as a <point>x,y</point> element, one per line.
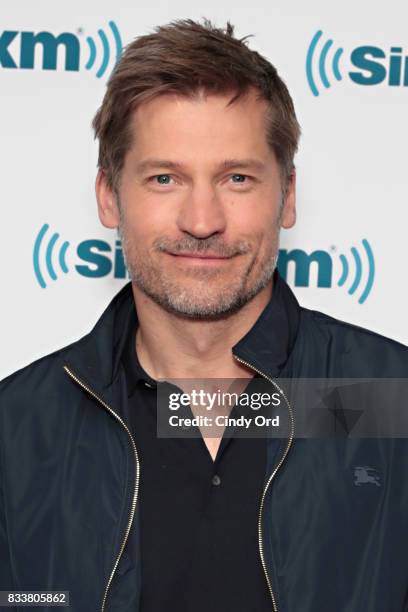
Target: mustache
<point>202,245</point>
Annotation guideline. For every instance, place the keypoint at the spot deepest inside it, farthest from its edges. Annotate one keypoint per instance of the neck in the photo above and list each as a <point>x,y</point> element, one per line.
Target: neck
<point>169,346</point>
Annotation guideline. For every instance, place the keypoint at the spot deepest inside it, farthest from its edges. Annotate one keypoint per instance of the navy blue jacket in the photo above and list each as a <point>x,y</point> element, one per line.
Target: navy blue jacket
<point>331,539</point>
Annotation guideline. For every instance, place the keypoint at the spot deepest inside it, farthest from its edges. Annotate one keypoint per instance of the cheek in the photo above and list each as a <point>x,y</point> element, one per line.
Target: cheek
<point>151,212</point>
<point>253,222</point>
<point>254,210</point>
<point>142,212</point>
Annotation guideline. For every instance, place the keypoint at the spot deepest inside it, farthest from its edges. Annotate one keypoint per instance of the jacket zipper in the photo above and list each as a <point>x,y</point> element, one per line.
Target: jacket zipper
<point>137,480</point>
<point>271,477</point>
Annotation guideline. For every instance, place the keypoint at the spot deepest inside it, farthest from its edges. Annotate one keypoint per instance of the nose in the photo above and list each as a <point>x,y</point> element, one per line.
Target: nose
<point>201,213</point>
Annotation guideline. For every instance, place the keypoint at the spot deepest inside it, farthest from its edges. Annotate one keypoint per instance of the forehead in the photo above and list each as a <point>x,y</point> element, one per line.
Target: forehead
<point>172,123</point>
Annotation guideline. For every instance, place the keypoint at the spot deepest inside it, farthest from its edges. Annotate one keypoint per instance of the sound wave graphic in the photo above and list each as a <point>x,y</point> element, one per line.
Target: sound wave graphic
<point>106,51</point>
<point>48,256</point>
<point>321,63</point>
<point>358,267</point>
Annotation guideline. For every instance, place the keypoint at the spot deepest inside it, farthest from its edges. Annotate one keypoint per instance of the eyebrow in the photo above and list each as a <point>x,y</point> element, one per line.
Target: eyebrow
<point>151,164</point>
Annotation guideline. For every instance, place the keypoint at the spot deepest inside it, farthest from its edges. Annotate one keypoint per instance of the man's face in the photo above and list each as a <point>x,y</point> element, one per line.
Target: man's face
<point>200,204</point>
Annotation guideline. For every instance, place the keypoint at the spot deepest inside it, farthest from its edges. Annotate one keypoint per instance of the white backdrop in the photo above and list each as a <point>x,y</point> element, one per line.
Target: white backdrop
<point>352,162</point>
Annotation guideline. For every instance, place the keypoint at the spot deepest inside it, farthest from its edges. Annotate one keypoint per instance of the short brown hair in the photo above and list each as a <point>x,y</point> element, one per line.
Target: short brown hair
<point>186,57</point>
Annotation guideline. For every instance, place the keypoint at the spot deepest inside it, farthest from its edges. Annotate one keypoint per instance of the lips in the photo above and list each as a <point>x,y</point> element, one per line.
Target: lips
<point>199,255</point>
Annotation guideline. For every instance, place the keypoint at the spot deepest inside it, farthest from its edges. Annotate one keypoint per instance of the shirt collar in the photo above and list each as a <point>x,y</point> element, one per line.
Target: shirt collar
<point>136,376</point>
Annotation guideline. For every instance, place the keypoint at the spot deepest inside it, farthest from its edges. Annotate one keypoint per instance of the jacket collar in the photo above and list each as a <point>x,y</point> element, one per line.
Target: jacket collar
<point>96,357</point>
<point>269,342</point>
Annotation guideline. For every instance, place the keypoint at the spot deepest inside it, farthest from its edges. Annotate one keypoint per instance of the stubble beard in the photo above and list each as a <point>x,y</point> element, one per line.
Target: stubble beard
<point>203,295</point>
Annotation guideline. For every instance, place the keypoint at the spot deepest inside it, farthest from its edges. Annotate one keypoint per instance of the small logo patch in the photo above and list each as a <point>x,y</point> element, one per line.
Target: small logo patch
<point>366,475</point>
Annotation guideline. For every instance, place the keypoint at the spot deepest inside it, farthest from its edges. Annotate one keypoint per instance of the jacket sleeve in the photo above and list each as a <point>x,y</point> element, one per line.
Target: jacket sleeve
<point>6,579</point>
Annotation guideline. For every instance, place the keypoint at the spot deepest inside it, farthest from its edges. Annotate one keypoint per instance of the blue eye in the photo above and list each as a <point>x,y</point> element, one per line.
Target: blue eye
<point>240,177</point>
<point>161,176</point>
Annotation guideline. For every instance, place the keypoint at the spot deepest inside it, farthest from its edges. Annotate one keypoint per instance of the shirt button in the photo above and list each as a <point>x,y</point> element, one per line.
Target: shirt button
<point>216,480</point>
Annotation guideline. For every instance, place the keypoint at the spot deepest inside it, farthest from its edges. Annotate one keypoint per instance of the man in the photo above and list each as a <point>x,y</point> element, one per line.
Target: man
<point>197,136</point>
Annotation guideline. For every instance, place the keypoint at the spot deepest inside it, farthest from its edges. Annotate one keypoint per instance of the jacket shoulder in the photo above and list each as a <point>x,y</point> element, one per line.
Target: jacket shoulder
<point>33,375</point>
<point>331,324</point>
<point>361,351</point>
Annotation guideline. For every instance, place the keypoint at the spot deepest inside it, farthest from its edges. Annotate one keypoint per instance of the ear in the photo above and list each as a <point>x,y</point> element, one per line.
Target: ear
<point>107,207</point>
<point>288,214</point>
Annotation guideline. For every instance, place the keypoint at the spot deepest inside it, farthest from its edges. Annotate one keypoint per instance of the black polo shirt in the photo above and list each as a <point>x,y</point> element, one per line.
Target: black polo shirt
<point>198,516</point>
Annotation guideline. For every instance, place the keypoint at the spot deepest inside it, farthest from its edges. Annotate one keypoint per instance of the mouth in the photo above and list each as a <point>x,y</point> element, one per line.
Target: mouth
<point>199,258</point>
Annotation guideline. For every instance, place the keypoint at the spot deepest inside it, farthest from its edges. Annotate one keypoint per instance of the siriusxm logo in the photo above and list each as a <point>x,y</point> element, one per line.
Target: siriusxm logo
<point>323,260</point>
<point>95,264</point>
<point>371,65</point>
<point>97,259</point>
<point>50,45</point>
